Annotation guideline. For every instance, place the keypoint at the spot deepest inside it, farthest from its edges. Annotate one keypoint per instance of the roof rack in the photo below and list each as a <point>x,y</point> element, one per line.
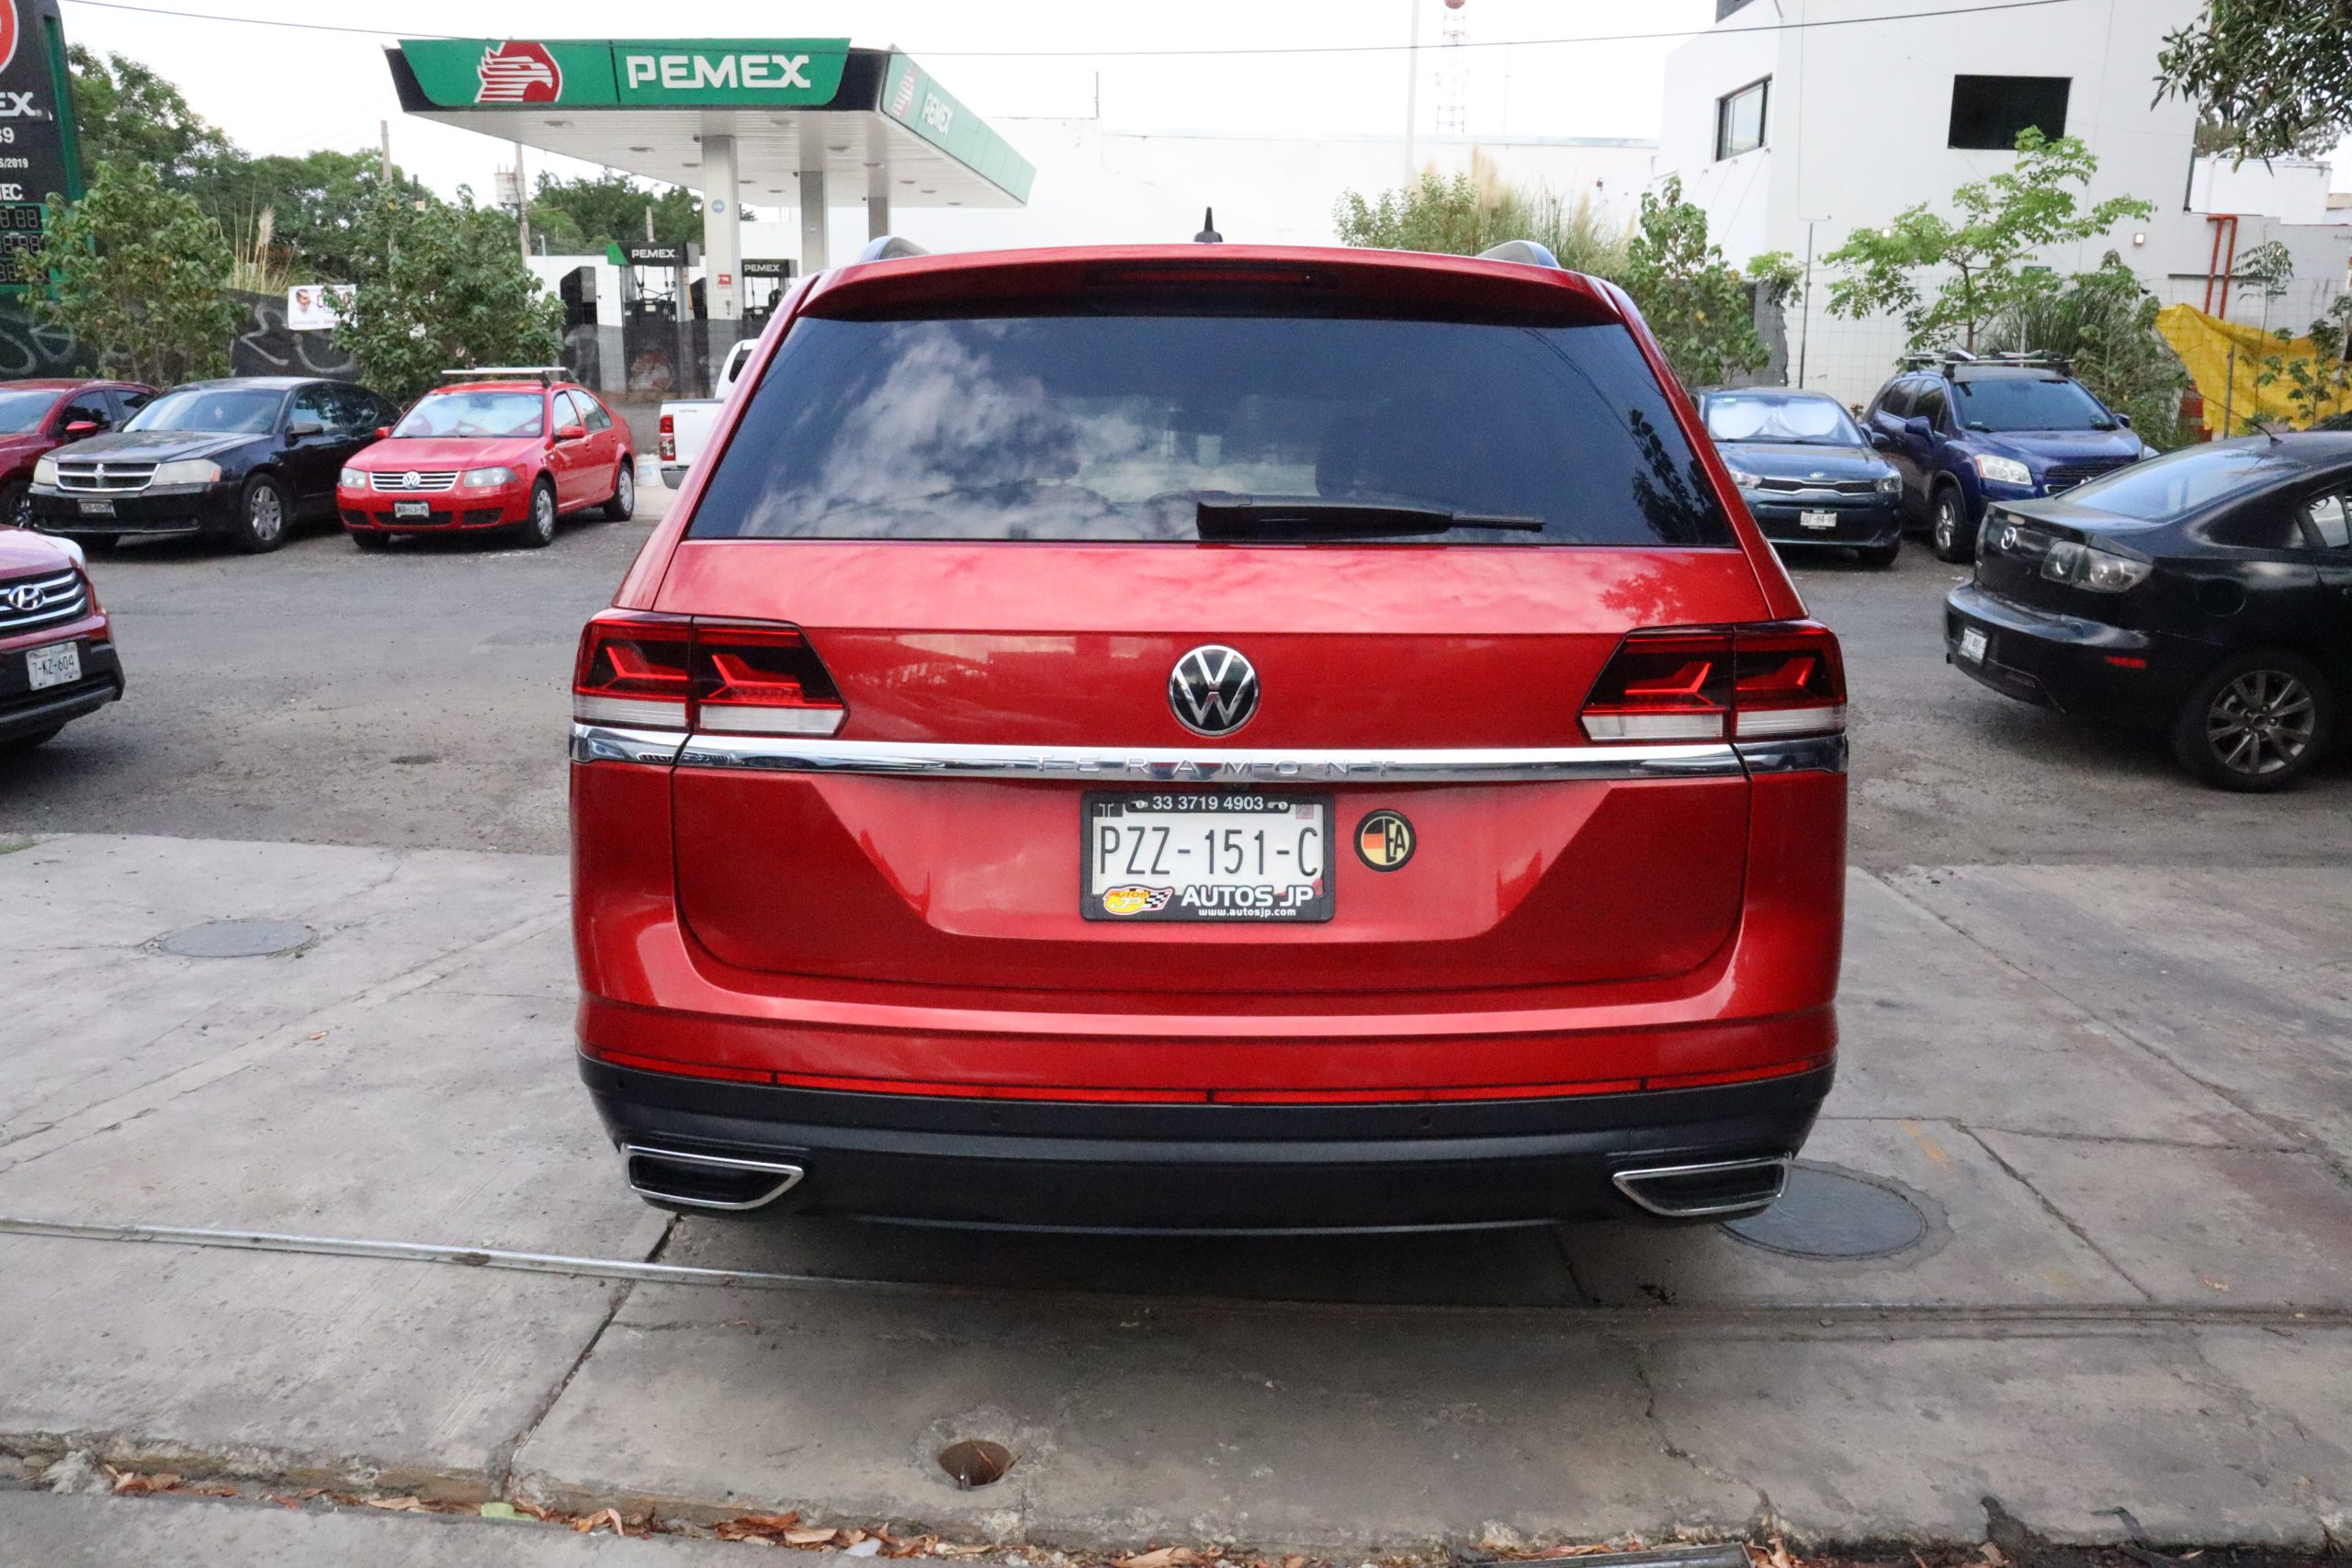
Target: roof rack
<point>891,247</point>
<point>545,375</point>
<point>2022,359</point>
<point>1527,253</point>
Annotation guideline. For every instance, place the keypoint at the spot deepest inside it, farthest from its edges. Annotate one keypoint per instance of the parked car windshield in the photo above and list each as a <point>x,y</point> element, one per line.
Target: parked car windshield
<point>486,415</point>
<point>227,411</point>
<point>1117,427</point>
<point>1815,422</point>
<point>23,411</point>
<point>2028,403</point>
<point>2165,488</point>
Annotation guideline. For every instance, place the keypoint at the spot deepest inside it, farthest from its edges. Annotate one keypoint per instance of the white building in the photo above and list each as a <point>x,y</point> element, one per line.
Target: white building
<point>1779,124</point>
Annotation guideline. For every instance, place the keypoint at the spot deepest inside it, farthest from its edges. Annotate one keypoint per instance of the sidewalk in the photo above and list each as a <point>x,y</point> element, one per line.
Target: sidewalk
<point>2119,1100</point>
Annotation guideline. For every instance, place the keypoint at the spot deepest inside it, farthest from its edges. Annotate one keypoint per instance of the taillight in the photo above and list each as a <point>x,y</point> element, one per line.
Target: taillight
<point>668,444</point>
<point>663,671</point>
<point>1749,683</point>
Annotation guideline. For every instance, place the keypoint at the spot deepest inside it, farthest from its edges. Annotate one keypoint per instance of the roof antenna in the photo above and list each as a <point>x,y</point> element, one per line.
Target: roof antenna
<point>1208,234</point>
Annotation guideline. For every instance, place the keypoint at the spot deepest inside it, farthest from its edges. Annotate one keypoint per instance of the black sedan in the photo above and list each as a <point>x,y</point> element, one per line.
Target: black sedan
<point>2206,595</point>
<point>242,459</point>
<point>1808,474</point>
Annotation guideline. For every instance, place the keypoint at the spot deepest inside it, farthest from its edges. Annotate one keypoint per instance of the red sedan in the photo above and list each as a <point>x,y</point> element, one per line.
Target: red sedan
<point>1209,738</point>
<point>492,453</point>
<point>37,417</point>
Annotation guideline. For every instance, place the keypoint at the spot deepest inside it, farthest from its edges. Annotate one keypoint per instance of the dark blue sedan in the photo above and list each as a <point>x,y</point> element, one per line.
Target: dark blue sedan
<point>1809,476</point>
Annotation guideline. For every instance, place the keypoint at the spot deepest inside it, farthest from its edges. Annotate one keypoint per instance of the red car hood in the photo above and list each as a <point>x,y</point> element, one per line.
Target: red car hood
<point>445,452</point>
<point>22,550</point>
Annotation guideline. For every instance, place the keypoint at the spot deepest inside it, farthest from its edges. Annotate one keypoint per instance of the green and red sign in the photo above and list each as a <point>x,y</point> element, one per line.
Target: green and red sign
<point>915,99</point>
<point>627,72</point>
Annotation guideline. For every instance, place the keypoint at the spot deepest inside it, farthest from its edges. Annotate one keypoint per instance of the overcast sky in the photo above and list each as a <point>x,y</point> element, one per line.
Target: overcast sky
<point>279,90</point>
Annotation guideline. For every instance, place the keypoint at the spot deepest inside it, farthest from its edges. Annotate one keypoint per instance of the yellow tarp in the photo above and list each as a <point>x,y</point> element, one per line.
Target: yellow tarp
<point>2204,343</point>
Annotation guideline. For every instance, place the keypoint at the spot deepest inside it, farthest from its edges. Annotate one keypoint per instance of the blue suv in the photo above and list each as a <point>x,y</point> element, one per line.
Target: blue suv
<point>1965,433</point>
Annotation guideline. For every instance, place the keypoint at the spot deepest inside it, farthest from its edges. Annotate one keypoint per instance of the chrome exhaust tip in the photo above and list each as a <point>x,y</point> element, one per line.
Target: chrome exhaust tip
<point>707,1182</point>
<point>1717,1189</point>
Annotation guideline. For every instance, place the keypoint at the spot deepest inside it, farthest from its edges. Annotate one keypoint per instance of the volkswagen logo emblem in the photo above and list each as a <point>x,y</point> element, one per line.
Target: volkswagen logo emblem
<point>411,478</point>
<point>27,599</point>
<point>1214,690</point>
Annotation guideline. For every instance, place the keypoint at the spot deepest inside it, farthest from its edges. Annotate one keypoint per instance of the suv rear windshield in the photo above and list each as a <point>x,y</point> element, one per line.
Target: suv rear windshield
<point>1109,427</point>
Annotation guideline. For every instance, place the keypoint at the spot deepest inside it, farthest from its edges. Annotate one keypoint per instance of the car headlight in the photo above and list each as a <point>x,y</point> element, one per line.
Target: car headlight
<point>1745,479</point>
<point>187,471</point>
<point>2002,470</point>
<point>1889,483</point>
<point>483,478</point>
<point>2088,565</point>
<point>353,479</point>
<point>45,471</point>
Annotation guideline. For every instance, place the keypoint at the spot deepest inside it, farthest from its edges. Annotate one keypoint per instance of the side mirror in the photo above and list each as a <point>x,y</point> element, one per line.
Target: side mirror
<point>383,433</point>
<point>2124,420</point>
<point>1880,440</point>
<point>572,432</point>
<point>1919,427</point>
<point>84,427</point>
<point>305,428</point>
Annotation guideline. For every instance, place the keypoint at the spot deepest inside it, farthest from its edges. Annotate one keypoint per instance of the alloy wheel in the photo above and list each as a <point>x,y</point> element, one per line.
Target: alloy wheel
<point>265,515</point>
<point>1947,523</point>
<point>543,513</point>
<point>625,491</point>
<point>2261,723</point>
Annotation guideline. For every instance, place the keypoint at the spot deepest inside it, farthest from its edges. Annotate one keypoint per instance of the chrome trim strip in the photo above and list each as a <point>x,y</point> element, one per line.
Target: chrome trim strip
<point>1798,754</point>
<point>608,743</point>
<point>788,1177</point>
<point>794,754</point>
<point>1623,1181</point>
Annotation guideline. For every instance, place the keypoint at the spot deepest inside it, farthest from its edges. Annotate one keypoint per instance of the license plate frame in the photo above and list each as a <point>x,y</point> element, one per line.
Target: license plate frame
<point>98,508</point>
<point>53,664</point>
<point>411,511</point>
<point>1974,644</point>
<point>1816,519</point>
<point>1165,896</point>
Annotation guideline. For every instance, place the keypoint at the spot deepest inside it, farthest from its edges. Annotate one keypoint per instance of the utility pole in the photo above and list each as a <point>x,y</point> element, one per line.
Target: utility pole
<point>384,150</point>
<point>1804,300</point>
<point>522,205</point>
<point>1412,90</point>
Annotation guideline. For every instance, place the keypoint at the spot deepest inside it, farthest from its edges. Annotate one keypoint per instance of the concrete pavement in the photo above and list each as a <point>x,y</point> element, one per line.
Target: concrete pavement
<point>2119,1097</point>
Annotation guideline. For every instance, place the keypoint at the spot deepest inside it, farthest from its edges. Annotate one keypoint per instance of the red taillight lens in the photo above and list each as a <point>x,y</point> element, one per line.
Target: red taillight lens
<point>1746,683</point>
<point>669,438</point>
<point>664,672</point>
<point>761,680</point>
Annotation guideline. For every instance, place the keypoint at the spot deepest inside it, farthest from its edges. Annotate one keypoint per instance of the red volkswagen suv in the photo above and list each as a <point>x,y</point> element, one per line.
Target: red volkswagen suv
<point>1208,738</point>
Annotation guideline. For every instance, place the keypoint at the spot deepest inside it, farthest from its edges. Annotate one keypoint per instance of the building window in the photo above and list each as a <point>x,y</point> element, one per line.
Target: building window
<point>1989,111</point>
<point>1739,119</point>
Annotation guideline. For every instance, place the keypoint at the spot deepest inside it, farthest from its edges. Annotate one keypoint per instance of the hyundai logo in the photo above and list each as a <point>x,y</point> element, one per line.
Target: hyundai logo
<point>411,478</point>
<point>27,598</point>
<point>1213,691</point>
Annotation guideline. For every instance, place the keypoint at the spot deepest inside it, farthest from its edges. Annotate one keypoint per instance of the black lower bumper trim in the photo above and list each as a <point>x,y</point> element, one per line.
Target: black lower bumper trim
<point>1206,1167</point>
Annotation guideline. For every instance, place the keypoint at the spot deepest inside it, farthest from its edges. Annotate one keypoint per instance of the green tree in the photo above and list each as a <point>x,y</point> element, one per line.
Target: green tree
<point>2104,324</point>
<point>586,213</point>
<point>2273,76</point>
<point>136,273</point>
<point>1475,212</point>
<point>440,288</point>
<point>125,114</point>
<point>316,200</point>
<point>1695,302</point>
<point>1982,252</point>
<point>2319,384</point>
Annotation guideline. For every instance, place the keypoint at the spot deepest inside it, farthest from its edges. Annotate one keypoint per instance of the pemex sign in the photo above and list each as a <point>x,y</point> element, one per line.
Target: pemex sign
<point>627,72</point>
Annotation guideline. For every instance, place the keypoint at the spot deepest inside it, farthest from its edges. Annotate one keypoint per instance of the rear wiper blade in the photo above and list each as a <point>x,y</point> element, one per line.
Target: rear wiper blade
<point>1242,517</point>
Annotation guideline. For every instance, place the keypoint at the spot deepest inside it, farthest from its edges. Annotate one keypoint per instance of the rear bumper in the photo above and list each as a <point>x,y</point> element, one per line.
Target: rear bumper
<point>1206,1167</point>
<point>2070,664</point>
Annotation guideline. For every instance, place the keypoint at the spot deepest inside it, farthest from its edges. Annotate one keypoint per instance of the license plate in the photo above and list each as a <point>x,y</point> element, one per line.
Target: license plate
<point>412,509</point>
<point>58,664</point>
<point>1205,855</point>
<point>1972,645</point>
<point>97,509</point>
<point>1818,519</point>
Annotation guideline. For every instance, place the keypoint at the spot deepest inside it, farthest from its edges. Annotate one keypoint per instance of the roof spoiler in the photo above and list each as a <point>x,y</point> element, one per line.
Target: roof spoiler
<point>1527,253</point>
<point>891,247</point>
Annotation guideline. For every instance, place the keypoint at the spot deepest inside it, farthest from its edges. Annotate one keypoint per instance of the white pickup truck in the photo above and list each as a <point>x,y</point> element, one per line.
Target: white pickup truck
<point>687,423</point>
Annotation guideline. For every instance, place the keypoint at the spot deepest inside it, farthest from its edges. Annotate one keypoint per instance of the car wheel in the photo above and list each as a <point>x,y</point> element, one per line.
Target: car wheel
<point>16,504</point>
<point>1948,526</point>
<point>623,506</point>
<point>539,532</point>
<point>1880,557</point>
<point>262,516</point>
<point>2256,722</point>
<point>27,742</point>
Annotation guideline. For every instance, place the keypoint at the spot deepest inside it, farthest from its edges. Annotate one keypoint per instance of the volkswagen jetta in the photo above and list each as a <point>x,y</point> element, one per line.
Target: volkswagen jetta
<point>1190,738</point>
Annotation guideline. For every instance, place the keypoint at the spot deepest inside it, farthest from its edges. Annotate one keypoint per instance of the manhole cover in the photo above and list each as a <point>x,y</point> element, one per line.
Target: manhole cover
<point>236,939</point>
<point>1828,1213</point>
<point>975,1461</point>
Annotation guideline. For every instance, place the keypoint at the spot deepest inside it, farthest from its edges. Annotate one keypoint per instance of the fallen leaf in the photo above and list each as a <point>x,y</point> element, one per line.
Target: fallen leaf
<point>1160,1557</point>
<point>397,1504</point>
<point>214,1489</point>
<point>587,1526</point>
<point>500,1510</point>
<point>808,1538</point>
<point>771,1522</point>
<point>2213,1283</point>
